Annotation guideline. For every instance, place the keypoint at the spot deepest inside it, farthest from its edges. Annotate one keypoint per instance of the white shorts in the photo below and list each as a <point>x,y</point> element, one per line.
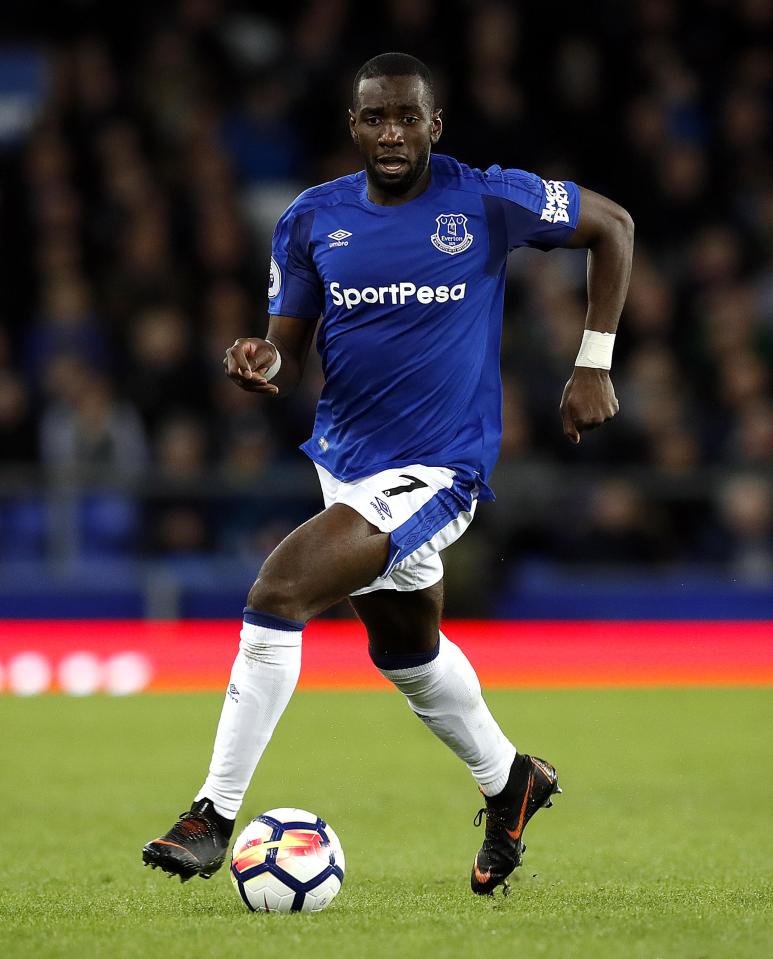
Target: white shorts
<point>423,508</point>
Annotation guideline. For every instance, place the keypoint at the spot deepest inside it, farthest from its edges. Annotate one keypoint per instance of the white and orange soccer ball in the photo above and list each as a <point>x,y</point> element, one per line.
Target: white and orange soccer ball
<point>287,860</point>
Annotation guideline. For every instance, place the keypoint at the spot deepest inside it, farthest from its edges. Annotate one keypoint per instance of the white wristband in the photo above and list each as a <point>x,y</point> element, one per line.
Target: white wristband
<point>272,371</point>
<point>596,350</point>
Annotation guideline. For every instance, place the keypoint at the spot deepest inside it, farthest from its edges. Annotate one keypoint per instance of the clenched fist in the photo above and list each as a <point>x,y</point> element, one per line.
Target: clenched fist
<point>588,401</point>
<point>247,361</point>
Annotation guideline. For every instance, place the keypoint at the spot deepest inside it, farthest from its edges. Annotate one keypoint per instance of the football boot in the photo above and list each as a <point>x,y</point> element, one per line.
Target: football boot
<point>531,784</point>
<point>195,846</point>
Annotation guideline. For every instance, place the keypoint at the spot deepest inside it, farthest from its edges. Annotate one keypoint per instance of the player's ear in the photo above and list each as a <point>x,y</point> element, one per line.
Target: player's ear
<point>352,123</point>
<point>437,125</point>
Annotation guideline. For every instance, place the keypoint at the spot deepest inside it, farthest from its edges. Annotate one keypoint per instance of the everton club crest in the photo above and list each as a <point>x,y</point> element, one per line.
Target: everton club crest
<point>451,235</point>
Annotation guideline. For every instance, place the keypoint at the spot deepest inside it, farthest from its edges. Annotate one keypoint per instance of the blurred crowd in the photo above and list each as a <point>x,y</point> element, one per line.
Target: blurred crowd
<point>136,221</point>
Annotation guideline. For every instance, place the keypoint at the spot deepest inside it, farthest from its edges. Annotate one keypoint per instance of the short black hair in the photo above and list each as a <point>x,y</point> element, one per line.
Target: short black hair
<point>393,65</point>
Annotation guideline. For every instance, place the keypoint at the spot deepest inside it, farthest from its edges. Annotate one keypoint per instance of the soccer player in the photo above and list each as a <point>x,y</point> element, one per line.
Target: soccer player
<point>405,264</point>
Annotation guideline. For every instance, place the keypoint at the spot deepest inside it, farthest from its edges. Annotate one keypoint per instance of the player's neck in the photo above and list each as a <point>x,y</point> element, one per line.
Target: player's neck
<point>382,198</point>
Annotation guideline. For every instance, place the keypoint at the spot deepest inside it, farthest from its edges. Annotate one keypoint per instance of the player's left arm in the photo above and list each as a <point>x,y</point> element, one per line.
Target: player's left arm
<point>606,230</point>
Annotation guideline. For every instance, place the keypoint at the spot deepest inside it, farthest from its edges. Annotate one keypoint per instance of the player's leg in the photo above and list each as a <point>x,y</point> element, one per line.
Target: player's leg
<point>441,687</point>
<point>401,622</point>
<point>437,679</point>
<point>318,564</point>
<point>314,567</point>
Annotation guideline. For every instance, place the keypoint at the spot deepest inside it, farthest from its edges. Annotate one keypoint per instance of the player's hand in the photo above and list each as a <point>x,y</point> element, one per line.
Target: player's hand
<point>247,360</point>
<point>588,401</point>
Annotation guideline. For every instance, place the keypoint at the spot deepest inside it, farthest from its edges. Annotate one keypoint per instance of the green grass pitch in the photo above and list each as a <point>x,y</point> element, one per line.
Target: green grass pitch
<point>661,845</point>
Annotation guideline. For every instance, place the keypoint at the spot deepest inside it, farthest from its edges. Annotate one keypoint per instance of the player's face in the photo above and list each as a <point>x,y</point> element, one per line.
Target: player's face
<point>395,126</point>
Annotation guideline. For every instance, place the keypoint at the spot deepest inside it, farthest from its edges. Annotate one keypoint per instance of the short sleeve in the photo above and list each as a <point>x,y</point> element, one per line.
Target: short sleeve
<point>525,210</point>
<point>294,286</point>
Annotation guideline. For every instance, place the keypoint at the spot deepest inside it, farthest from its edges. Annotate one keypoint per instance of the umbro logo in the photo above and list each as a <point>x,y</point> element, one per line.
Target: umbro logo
<point>340,238</point>
<point>381,507</point>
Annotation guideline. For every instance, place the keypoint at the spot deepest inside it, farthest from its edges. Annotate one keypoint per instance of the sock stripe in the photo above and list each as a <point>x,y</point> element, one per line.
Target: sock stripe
<point>268,620</point>
<point>391,661</point>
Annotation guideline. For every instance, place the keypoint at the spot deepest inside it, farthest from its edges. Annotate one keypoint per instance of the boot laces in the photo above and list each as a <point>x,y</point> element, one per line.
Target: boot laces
<point>192,826</point>
<point>496,819</point>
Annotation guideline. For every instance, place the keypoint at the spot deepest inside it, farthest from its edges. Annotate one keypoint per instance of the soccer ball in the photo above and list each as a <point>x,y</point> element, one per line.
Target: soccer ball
<point>287,860</point>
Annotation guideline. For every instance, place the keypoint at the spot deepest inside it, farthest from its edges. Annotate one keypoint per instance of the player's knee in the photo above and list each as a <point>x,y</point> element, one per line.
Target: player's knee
<point>279,596</point>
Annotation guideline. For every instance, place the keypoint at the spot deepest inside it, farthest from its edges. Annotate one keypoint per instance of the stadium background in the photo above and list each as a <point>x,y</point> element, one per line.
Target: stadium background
<point>146,151</point>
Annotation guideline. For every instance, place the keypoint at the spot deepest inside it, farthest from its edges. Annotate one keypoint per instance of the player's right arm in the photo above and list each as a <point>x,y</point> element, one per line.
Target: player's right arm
<point>296,300</point>
<point>248,360</point>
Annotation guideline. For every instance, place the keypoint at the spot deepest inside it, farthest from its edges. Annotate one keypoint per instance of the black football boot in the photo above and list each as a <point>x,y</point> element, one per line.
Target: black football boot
<point>531,784</point>
<point>195,846</point>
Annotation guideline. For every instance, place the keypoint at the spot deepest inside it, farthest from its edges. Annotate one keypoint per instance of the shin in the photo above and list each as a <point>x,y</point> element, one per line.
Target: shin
<point>262,681</point>
<point>442,689</point>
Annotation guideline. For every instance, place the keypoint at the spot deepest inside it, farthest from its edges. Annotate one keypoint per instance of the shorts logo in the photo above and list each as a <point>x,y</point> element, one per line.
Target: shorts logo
<point>381,507</point>
<point>274,279</point>
<point>451,235</point>
<point>556,209</point>
<point>233,693</point>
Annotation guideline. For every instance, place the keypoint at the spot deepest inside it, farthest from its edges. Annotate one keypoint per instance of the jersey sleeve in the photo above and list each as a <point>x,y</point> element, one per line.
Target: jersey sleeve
<point>525,210</point>
<point>294,286</point>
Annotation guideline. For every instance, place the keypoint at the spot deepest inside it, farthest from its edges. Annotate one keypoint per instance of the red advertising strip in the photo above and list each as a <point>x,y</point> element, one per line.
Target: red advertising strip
<point>129,656</point>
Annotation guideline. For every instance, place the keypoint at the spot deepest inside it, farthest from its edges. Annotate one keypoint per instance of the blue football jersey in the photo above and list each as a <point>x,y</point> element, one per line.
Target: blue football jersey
<point>411,299</point>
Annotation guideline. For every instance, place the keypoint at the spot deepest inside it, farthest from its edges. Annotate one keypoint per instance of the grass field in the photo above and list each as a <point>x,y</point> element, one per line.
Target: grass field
<point>661,845</point>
